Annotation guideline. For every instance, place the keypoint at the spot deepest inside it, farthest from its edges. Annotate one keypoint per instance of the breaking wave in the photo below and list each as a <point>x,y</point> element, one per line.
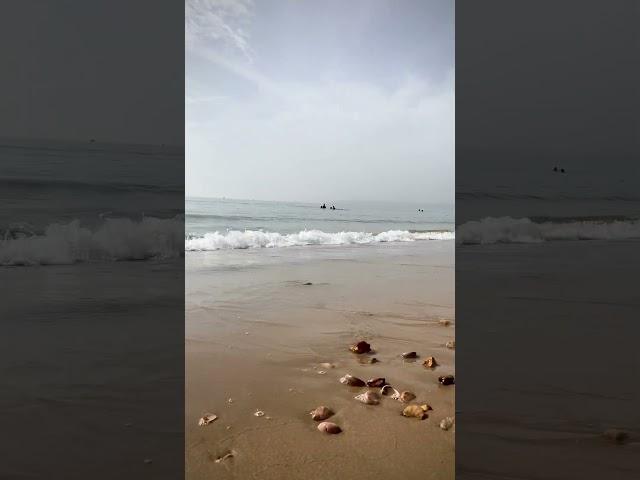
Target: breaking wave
<point>235,239</point>
<point>524,230</point>
<point>114,239</point>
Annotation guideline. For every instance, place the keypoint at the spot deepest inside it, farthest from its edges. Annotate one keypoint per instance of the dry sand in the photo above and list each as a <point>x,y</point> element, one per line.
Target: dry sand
<point>256,336</point>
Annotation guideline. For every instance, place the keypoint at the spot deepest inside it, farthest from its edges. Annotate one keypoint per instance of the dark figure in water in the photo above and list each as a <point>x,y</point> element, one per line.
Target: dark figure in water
<point>333,207</point>
<point>555,169</point>
<point>562,170</point>
<point>323,206</point>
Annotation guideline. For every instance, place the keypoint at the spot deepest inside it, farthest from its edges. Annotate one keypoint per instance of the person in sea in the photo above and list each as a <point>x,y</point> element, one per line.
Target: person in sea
<point>333,207</point>
<point>323,206</point>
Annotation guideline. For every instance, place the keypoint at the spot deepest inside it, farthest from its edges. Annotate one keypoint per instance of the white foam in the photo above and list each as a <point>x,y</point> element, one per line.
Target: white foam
<point>235,239</point>
<point>114,240</point>
<point>522,230</point>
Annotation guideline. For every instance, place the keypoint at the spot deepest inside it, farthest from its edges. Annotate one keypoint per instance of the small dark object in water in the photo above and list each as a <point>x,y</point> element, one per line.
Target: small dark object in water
<point>616,436</point>
<point>329,427</point>
<point>376,382</point>
<point>447,380</point>
<point>555,169</point>
<point>323,206</point>
<point>409,355</point>
<point>308,283</point>
<point>562,170</point>
<point>360,347</point>
<point>352,381</point>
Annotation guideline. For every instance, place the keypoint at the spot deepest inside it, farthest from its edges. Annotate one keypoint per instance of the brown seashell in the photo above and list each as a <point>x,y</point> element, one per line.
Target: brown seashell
<point>360,347</point>
<point>328,427</point>
<point>321,413</point>
<point>447,380</point>
<point>376,382</point>
<point>207,419</point>
<point>430,362</point>
<point>352,381</point>
<point>409,355</point>
<point>407,396</point>
<point>444,322</point>
<point>451,344</point>
<point>417,411</point>
<point>369,398</point>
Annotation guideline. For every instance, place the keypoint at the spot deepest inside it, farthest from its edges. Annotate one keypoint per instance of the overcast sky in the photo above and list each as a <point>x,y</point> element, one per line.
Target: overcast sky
<point>320,101</point>
<point>82,69</point>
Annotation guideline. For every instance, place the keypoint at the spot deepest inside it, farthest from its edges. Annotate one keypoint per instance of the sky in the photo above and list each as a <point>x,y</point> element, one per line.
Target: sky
<point>81,69</point>
<point>320,101</point>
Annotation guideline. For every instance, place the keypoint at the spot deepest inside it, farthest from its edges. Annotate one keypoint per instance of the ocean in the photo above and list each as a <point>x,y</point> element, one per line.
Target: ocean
<point>531,203</point>
<point>73,202</point>
<point>91,263</point>
<point>225,224</point>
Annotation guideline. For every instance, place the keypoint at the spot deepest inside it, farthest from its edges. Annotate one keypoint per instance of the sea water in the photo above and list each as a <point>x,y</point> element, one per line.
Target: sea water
<point>228,224</point>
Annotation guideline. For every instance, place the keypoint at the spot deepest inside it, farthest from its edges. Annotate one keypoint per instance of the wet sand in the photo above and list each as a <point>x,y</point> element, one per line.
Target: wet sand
<point>257,335</point>
<point>559,330</point>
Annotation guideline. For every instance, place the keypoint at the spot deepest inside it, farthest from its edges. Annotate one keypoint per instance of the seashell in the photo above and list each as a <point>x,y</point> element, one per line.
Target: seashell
<point>430,362</point>
<point>360,347</point>
<point>224,457</point>
<point>616,436</point>
<point>321,372</point>
<point>367,360</point>
<point>417,411</point>
<point>307,283</point>
<point>207,419</point>
<point>444,322</point>
<point>409,355</point>
<point>352,381</point>
<point>368,398</point>
<point>376,382</point>
<point>406,396</point>
<point>395,394</point>
<point>258,413</point>
<point>447,380</point>
<point>329,427</point>
<point>321,413</point>
<point>450,344</point>
<point>446,423</point>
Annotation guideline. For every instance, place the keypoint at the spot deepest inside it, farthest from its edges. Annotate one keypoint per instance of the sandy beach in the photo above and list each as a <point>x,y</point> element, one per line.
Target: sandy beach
<point>256,337</point>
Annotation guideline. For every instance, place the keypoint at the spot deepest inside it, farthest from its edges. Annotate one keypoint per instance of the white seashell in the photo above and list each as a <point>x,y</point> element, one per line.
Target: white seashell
<point>369,398</point>
<point>259,413</point>
<point>207,419</point>
<point>446,423</point>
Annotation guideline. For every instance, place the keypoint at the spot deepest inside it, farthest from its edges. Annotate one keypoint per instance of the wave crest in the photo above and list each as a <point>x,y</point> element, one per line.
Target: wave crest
<point>235,239</point>
<point>523,230</point>
<point>115,239</point>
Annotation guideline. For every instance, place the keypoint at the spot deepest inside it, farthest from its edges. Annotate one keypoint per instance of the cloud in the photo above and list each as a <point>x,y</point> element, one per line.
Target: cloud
<point>219,23</point>
<point>346,140</point>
